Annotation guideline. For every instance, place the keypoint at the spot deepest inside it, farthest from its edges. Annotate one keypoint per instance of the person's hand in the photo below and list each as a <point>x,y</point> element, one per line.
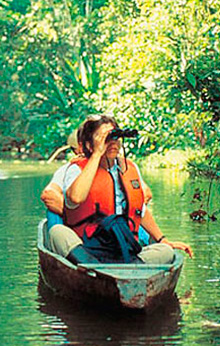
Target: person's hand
<point>180,246</point>
<point>99,139</point>
<point>53,200</point>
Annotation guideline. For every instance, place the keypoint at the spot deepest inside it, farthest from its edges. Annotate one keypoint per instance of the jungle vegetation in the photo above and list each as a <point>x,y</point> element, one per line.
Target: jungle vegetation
<point>153,64</point>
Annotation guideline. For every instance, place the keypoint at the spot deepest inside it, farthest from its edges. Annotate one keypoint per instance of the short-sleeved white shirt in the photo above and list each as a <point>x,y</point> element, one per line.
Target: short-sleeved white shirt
<point>58,177</point>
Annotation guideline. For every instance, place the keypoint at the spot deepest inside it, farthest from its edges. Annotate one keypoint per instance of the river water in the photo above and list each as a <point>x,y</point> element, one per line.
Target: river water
<point>32,315</point>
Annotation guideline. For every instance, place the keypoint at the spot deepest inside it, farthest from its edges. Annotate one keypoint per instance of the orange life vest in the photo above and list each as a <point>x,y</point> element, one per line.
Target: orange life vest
<point>101,199</point>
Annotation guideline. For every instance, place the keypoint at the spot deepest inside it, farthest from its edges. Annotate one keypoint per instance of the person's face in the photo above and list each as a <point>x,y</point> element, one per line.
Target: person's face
<point>112,146</point>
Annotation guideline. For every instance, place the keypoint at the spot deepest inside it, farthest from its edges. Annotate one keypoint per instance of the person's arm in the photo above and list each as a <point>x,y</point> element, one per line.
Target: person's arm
<point>147,193</point>
<point>78,191</point>
<point>151,226</point>
<point>153,229</point>
<point>146,190</point>
<point>52,196</point>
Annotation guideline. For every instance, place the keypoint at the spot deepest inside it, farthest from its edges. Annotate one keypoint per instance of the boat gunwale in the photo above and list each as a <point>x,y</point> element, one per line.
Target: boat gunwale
<point>99,268</point>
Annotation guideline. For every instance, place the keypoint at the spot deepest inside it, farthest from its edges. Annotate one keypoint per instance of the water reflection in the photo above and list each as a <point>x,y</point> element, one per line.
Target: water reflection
<point>28,317</point>
<point>81,324</point>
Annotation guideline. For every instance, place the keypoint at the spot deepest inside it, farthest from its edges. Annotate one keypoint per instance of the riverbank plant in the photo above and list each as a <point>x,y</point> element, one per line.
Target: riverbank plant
<point>205,165</point>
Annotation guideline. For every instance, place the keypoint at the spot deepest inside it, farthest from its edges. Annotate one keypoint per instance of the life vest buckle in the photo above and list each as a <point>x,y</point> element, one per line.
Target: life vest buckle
<point>138,212</point>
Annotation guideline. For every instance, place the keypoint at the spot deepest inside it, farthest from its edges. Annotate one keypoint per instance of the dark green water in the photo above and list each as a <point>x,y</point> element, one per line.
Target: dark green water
<point>30,315</point>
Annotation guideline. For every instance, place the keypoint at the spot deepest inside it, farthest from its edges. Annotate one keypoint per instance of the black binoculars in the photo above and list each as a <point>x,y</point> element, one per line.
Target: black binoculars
<point>119,133</point>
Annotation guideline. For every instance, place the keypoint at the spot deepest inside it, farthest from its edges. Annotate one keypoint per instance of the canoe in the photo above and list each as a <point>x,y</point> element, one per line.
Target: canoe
<point>135,286</point>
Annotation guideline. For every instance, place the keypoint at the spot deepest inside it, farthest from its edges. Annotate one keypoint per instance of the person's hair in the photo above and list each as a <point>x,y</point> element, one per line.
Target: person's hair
<point>91,124</point>
<point>79,134</point>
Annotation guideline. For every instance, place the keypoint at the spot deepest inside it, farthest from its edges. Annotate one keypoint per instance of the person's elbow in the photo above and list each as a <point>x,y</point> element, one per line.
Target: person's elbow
<point>74,197</point>
<point>43,195</point>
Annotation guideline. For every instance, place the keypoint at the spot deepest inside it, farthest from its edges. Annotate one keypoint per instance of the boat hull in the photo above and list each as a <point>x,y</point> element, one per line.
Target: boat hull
<point>135,286</point>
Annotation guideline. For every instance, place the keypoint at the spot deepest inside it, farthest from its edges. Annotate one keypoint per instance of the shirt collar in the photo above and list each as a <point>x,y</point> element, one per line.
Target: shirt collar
<point>115,167</point>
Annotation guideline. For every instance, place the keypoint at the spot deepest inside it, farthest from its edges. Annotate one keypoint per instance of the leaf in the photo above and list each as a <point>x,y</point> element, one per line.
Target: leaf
<point>78,87</point>
<point>57,89</point>
<point>191,79</point>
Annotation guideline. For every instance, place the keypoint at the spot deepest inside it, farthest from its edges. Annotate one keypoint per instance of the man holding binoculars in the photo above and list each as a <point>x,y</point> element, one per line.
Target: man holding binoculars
<point>103,183</point>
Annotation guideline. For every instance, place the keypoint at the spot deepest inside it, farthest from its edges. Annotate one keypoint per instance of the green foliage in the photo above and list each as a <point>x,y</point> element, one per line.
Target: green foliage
<point>171,159</point>
<point>48,74</point>
<point>152,73</point>
<point>206,165</point>
<point>153,64</point>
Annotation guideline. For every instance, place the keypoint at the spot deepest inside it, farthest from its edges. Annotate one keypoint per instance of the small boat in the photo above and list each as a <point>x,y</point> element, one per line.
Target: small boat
<point>136,286</point>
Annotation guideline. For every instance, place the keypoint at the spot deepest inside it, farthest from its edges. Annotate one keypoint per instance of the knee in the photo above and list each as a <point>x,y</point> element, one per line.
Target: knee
<point>157,254</point>
<point>168,252</point>
<point>60,234</point>
<point>55,231</point>
<point>63,239</point>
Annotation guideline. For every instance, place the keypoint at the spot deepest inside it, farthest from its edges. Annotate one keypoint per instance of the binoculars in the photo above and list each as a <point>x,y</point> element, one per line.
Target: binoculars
<point>119,133</point>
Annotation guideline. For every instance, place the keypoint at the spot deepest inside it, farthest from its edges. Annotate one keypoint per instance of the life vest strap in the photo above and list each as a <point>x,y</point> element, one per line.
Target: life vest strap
<point>115,227</point>
<point>93,218</point>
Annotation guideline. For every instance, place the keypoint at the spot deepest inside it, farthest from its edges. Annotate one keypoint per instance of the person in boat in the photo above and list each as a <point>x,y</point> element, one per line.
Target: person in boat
<point>53,197</point>
<point>88,188</point>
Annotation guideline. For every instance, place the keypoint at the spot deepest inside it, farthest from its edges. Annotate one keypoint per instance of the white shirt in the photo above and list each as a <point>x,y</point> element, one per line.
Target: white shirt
<point>58,177</point>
